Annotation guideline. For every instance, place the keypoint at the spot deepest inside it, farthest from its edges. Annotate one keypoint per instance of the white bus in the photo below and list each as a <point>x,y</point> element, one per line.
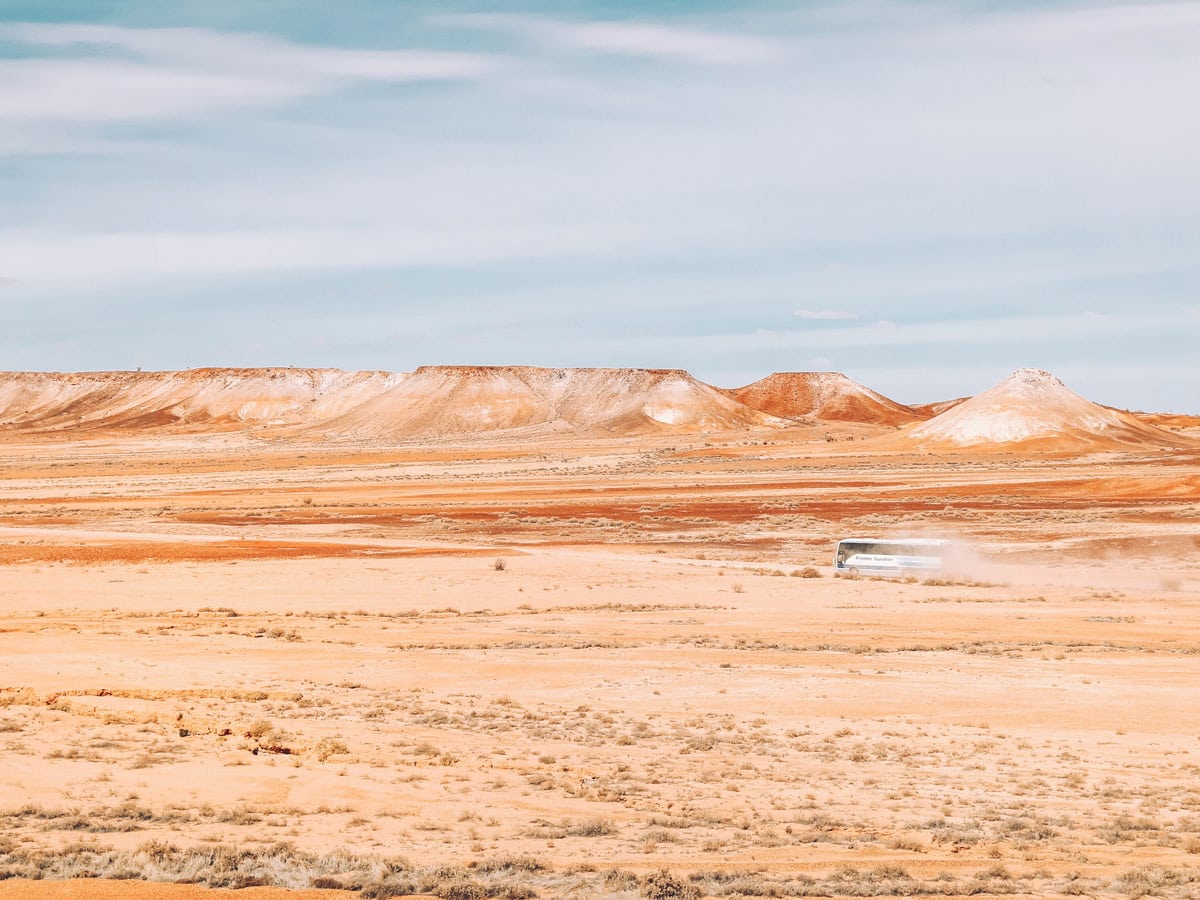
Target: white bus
<point>889,556</point>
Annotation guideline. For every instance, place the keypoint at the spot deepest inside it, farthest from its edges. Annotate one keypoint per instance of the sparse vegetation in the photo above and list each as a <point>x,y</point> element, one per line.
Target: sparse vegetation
<point>752,746</point>
<point>591,828</point>
<point>662,885</point>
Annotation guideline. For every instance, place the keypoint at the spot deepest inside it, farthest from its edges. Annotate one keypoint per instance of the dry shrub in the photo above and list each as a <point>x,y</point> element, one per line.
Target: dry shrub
<point>19,697</point>
<point>224,866</point>
<point>327,747</point>
<point>670,822</point>
<point>260,729</point>
<point>328,883</point>
<point>511,864</point>
<point>1147,881</point>
<point>662,885</point>
<point>660,836</point>
<point>620,880</point>
<point>591,828</point>
<point>463,889</point>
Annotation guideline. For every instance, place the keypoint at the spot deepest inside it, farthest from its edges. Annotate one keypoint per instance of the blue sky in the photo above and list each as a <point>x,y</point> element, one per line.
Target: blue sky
<point>923,196</point>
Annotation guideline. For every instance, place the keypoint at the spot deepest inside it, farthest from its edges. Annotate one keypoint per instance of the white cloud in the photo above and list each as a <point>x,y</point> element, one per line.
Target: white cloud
<point>206,49</point>
<point>92,91</point>
<point>631,38</point>
<point>984,332</point>
<point>658,41</point>
<point>106,260</point>
<point>929,133</point>
<point>180,71</point>
<point>831,314</point>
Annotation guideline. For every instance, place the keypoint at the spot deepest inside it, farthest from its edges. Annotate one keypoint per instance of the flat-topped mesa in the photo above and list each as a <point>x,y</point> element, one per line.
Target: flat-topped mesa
<point>204,373</point>
<point>273,372</point>
<point>825,396</point>
<point>638,400</point>
<point>211,398</point>
<point>536,371</point>
<point>1032,407</point>
<point>460,401</point>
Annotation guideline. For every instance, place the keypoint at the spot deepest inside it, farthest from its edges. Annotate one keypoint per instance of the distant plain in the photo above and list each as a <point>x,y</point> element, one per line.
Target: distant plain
<point>560,668</point>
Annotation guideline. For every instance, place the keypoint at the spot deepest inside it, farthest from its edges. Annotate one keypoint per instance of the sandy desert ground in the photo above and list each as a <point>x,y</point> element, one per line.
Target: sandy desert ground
<point>603,667</point>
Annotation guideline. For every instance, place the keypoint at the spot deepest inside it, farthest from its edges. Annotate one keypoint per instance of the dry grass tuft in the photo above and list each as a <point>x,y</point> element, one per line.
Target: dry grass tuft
<point>591,828</point>
<point>662,885</point>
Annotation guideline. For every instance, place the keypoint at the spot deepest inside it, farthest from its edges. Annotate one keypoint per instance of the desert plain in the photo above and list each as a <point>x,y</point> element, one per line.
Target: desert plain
<point>590,665</point>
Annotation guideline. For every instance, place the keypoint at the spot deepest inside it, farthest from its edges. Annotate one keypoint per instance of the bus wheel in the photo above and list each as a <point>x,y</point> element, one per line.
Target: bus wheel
<point>854,572</point>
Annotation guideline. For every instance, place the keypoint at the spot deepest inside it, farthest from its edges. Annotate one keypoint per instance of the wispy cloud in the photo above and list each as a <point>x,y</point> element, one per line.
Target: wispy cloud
<point>116,73</point>
<point>957,334</point>
<point>650,40</point>
<point>819,314</point>
<point>101,261</point>
<point>942,166</point>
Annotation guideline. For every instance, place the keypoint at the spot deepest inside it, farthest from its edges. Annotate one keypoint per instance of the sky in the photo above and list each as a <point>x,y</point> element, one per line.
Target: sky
<point>924,196</point>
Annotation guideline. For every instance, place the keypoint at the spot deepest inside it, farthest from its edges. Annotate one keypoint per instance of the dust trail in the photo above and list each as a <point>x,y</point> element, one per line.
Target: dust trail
<point>965,558</point>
